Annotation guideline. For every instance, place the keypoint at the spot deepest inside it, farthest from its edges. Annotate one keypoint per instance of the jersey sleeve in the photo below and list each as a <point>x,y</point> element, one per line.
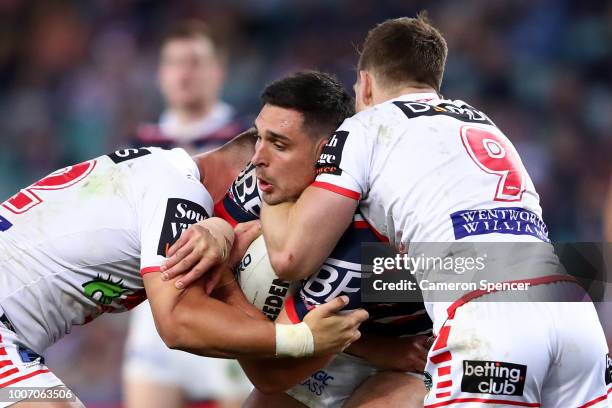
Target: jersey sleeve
<point>242,202</point>
<point>343,166</point>
<point>166,211</point>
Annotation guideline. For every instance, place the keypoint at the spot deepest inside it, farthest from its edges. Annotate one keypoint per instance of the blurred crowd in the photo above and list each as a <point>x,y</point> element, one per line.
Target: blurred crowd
<point>77,78</point>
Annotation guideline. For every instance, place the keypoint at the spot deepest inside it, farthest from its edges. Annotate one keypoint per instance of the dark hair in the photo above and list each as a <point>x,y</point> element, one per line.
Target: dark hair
<point>195,29</point>
<point>320,97</point>
<point>405,50</point>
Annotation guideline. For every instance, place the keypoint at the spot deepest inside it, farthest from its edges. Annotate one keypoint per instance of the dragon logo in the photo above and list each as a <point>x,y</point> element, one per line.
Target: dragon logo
<point>104,291</point>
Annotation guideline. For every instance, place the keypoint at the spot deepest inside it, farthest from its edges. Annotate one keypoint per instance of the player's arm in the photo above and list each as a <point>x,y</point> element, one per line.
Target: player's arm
<point>301,235</point>
<point>393,353</point>
<point>192,321</point>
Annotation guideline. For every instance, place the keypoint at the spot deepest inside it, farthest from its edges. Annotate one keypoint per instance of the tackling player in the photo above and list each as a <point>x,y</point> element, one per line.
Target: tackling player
<point>420,167</point>
<point>90,239</point>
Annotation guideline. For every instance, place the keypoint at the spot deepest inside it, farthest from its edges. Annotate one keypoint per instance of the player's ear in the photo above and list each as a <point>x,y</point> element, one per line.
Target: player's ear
<point>320,146</point>
<point>365,88</point>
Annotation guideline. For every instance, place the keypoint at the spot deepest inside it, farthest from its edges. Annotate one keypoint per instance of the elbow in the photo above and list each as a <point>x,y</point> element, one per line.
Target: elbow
<point>172,329</point>
<point>270,386</point>
<point>284,266</point>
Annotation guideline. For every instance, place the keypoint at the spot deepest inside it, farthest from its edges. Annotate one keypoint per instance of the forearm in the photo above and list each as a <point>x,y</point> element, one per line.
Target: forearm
<point>192,321</point>
<point>297,245</point>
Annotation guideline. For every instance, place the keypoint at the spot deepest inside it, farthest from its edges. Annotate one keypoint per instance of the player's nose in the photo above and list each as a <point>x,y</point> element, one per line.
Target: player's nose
<point>259,158</point>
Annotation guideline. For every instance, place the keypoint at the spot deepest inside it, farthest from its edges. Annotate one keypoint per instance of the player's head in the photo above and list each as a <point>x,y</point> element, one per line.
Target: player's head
<point>398,54</point>
<point>299,113</point>
<point>191,69</point>
<point>219,167</point>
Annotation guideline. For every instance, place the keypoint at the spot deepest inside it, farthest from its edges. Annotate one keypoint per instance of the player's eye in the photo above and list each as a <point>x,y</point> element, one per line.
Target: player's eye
<point>279,146</point>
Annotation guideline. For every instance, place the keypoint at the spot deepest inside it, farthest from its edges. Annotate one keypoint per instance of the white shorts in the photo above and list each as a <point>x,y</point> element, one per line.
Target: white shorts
<point>202,378</point>
<point>21,368</point>
<point>519,354</point>
<point>333,384</point>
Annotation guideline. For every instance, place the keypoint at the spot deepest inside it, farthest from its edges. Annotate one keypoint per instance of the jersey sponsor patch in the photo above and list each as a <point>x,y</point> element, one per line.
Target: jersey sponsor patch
<point>317,382</point>
<point>493,377</point>
<point>507,220</point>
<point>244,191</point>
<point>464,113</point>
<point>4,224</point>
<point>128,154</point>
<point>331,156</point>
<point>180,214</point>
<point>608,373</point>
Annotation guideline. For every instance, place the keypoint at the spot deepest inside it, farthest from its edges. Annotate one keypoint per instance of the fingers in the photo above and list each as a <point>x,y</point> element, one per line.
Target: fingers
<point>183,239</point>
<point>333,306</point>
<point>359,316</point>
<point>197,272</point>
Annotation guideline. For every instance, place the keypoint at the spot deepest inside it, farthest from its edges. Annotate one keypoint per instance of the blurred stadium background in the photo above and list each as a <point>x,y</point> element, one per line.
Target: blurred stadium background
<point>77,77</point>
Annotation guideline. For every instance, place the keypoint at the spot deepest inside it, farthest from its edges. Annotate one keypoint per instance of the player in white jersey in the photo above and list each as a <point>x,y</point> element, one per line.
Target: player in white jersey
<point>90,239</point>
<point>191,73</point>
<point>426,169</point>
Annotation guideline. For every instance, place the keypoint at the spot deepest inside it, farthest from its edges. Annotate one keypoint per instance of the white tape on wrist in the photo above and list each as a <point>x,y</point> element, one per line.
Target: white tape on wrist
<point>294,340</point>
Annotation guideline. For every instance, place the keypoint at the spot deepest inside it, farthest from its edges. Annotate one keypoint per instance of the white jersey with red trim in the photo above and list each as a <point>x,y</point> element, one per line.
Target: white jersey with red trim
<point>73,245</point>
<point>432,170</point>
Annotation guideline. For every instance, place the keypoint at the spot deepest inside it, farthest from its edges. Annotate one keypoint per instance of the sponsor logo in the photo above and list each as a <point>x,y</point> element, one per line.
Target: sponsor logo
<point>464,113</point>
<point>318,382</point>
<point>4,224</point>
<point>331,156</point>
<point>335,278</point>
<point>608,372</point>
<point>180,214</point>
<point>128,154</point>
<point>493,377</point>
<point>244,191</point>
<point>276,298</point>
<point>512,220</point>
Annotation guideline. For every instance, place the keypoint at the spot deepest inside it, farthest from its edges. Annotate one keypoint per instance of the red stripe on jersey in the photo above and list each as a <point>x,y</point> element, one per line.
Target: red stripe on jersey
<point>483,401</point>
<point>442,338</point>
<point>443,394</point>
<point>2,350</point>
<point>149,269</point>
<point>9,372</point>
<point>595,401</point>
<point>445,384</point>
<point>446,356</point>
<point>361,225</point>
<point>5,363</point>
<point>481,292</point>
<point>290,309</point>
<point>337,189</point>
<point>366,225</point>
<point>24,377</point>
<point>444,371</point>
<point>221,212</point>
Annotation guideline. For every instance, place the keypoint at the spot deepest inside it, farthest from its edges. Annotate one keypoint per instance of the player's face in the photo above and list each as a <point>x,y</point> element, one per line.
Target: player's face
<point>190,74</point>
<point>285,154</point>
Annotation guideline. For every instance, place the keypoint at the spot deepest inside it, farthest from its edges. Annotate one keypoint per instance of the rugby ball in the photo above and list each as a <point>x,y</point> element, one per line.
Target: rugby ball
<point>259,282</point>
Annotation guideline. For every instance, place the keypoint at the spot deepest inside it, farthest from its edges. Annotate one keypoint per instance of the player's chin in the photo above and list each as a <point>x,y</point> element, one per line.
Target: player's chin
<point>271,198</point>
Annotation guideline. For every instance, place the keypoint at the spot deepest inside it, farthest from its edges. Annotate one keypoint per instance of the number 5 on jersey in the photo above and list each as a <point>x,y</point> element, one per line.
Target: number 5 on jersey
<point>495,154</point>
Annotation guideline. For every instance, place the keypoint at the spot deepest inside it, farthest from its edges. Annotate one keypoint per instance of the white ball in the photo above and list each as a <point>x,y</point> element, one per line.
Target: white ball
<point>259,282</point>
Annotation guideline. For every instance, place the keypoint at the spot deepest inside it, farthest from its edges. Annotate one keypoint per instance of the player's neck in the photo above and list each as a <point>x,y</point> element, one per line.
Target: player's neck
<point>192,114</point>
<point>385,95</point>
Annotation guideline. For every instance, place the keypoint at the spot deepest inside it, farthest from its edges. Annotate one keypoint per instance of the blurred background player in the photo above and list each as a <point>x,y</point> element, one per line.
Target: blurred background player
<point>191,74</point>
